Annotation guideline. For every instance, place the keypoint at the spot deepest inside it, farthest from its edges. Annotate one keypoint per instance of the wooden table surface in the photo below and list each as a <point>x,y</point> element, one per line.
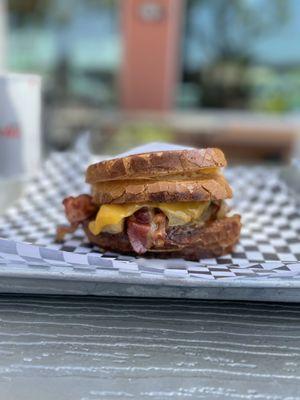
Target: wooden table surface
<point>105,348</point>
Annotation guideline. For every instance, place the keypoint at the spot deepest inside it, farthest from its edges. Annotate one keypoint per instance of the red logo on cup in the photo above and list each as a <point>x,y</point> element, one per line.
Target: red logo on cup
<point>10,131</point>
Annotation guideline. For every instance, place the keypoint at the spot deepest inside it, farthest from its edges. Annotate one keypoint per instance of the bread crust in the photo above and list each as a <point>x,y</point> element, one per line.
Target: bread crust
<point>214,239</point>
<point>155,164</point>
<point>210,187</point>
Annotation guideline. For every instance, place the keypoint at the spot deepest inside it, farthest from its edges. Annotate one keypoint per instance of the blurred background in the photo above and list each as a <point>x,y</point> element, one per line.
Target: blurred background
<point>198,72</point>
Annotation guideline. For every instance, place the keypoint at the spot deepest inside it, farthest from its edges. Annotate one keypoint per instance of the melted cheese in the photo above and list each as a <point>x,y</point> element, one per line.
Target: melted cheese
<point>110,217</point>
<point>185,175</point>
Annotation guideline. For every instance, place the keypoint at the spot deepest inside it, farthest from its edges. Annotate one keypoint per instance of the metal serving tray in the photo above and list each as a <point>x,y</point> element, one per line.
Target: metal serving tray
<point>265,265</point>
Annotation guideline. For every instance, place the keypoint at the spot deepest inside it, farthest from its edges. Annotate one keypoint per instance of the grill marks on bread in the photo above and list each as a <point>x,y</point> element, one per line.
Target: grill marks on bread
<point>155,164</point>
<point>209,187</point>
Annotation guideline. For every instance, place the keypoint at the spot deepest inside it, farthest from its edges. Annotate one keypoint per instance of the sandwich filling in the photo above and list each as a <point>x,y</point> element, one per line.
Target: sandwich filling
<point>145,224</point>
<point>110,217</point>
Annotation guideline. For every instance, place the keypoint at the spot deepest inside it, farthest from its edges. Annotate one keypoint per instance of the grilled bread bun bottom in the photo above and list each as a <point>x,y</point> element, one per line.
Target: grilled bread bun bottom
<point>190,242</point>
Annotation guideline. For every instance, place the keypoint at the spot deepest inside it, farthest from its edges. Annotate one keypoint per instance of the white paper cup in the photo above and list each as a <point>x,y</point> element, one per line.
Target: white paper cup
<point>20,125</point>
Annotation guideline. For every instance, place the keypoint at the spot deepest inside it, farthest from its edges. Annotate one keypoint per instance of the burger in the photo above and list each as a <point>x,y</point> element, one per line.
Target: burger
<point>160,204</point>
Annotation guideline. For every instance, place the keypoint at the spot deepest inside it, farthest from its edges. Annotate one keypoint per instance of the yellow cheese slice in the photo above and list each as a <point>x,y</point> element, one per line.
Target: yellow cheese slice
<point>181,213</point>
<point>110,217</point>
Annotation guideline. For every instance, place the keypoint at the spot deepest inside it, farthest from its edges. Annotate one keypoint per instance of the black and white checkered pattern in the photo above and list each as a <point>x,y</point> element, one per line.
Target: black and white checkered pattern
<point>269,244</point>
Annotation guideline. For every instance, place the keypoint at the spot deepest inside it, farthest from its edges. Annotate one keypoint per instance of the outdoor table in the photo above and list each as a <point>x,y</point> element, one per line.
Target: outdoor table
<point>118,348</point>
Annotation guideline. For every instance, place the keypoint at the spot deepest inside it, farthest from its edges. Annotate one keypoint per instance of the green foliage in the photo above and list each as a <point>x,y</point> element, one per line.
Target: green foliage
<point>278,104</point>
<point>227,31</point>
<point>25,11</point>
<point>134,134</point>
<point>274,90</point>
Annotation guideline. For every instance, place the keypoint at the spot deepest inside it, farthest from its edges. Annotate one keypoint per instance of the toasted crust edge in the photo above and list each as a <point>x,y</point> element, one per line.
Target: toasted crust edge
<point>155,164</point>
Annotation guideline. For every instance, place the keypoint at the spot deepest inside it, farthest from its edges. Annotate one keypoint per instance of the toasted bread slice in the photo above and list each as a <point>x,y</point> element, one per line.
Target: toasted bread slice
<point>214,239</point>
<point>155,164</point>
<point>209,187</point>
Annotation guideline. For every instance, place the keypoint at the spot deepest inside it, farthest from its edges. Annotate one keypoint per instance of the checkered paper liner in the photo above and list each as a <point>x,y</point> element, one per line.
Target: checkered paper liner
<point>269,245</point>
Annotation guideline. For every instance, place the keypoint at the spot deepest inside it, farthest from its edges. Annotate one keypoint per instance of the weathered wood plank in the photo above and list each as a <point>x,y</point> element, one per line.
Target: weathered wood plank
<point>92,348</point>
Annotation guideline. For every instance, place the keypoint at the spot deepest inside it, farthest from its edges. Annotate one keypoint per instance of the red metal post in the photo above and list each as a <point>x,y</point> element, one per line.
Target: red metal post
<point>151,34</point>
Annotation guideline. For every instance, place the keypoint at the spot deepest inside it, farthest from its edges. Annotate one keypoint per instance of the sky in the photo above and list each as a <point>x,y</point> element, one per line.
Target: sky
<point>285,43</point>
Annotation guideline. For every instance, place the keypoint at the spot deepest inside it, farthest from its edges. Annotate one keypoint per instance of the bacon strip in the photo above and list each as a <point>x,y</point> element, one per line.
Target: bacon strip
<point>80,208</point>
<point>146,228</point>
<point>138,235</point>
<point>77,210</point>
<point>62,230</point>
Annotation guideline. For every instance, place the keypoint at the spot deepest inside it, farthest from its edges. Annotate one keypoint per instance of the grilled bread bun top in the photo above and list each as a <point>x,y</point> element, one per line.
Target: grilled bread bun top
<point>155,165</point>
